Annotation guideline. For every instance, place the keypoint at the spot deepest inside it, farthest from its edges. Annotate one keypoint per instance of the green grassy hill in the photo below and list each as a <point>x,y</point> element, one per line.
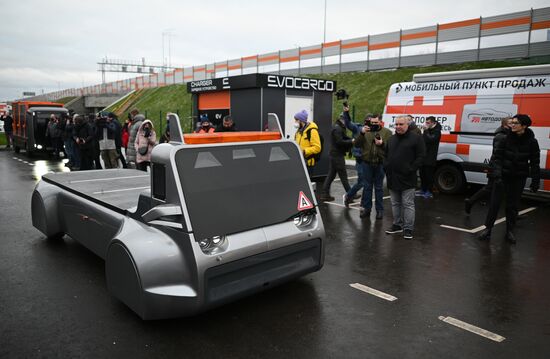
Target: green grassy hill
<point>155,103</point>
<point>367,91</point>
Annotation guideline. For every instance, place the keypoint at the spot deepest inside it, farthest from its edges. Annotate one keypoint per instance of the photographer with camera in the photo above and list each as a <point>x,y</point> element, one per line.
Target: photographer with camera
<point>145,141</point>
<point>106,130</point>
<point>372,141</point>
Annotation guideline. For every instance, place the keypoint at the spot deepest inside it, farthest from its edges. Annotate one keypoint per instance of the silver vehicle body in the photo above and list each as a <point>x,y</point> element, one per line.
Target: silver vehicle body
<point>146,229</point>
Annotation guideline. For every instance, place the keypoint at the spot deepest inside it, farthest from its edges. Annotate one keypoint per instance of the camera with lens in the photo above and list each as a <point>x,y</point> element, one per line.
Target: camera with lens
<point>342,94</point>
<point>147,132</point>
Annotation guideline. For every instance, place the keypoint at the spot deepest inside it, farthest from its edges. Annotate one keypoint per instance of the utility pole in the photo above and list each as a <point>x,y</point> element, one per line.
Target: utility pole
<point>324,38</point>
<point>325,24</point>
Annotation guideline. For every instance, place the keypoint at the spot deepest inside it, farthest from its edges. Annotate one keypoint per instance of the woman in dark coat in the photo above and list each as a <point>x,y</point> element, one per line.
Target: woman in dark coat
<point>516,158</point>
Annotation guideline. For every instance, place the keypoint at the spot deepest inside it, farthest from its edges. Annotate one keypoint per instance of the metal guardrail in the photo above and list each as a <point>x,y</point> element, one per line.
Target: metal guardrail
<point>513,35</point>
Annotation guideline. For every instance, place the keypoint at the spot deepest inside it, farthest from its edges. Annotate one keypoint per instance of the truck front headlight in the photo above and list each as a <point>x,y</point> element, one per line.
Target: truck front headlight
<point>304,220</point>
<point>212,245</point>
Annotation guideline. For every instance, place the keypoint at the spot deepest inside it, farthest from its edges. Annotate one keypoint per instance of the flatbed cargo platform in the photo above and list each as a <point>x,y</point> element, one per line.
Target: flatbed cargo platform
<point>118,189</point>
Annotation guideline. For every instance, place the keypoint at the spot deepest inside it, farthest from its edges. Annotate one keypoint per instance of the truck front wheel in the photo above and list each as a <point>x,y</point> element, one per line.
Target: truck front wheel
<point>29,150</point>
<point>449,179</point>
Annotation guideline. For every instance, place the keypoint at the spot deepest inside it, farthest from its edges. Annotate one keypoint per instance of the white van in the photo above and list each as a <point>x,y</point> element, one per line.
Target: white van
<point>470,105</point>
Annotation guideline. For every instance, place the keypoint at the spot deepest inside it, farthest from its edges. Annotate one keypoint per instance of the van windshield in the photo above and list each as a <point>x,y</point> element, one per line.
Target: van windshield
<point>230,189</point>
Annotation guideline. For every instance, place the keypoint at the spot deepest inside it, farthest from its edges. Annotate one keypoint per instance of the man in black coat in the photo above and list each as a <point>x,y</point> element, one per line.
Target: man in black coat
<point>8,129</point>
<point>485,191</point>
<point>84,137</point>
<point>516,158</point>
<point>340,144</point>
<point>405,154</point>
<point>431,136</point>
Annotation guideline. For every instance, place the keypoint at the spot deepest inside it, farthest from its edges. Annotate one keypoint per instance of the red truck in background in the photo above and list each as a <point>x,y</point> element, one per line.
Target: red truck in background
<point>30,121</point>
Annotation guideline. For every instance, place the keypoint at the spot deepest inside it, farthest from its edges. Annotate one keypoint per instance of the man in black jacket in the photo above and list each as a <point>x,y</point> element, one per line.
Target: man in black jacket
<point>405,154</point>
<point>84,136</point>
<point>340,144</point>
<point>8,128</point>
<point>485,191</point>
<point>431,136</point>
<point>516,158</point>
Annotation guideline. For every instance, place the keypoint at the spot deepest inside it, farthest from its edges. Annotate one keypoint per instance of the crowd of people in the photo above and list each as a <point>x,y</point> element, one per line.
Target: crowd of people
<point>378,154</point>
<point>409,151</point>
<point>83,140</point>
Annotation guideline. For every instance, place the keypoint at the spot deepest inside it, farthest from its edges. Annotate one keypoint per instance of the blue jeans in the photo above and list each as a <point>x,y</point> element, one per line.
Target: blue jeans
<point>360,168</point>
<point>374,177</point>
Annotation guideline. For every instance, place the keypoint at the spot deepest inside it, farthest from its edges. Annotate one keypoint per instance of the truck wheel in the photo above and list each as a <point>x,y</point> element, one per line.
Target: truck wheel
<point>449,179</point>
<point>28,150</point>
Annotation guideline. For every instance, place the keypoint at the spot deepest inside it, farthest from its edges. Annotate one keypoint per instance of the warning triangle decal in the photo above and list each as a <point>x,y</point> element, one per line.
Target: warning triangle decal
<point>304,202</point>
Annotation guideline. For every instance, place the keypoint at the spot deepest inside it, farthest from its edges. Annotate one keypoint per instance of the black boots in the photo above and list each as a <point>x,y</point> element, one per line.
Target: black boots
<point>485,234</point>
<point>510,237</point>
<point>468,206</point>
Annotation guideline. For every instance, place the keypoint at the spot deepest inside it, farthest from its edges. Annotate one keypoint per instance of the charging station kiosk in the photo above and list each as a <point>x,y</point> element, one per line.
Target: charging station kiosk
<point>249,99</point>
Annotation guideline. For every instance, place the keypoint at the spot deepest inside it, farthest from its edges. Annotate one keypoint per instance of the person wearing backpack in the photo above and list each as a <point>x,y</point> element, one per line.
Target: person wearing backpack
<point>308,139</point>
<point>340,145</point>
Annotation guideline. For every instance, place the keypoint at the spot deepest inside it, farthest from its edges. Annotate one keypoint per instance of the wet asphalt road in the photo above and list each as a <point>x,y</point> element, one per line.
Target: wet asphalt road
<point>54,301</point>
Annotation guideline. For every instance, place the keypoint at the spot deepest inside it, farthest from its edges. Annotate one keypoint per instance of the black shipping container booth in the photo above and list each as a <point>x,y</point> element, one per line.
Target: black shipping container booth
<point>249,98</point>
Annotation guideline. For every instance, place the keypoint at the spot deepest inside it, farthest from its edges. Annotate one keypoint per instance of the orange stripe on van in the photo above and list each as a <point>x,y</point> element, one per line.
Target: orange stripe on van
<point>540,25</point>
<point>418,35</point>
<point>353,45</point>
<point>462,149</point>
<point>449,138</point>
<point>506,23</point>
<point>385,45</point>
<point>454,25</point>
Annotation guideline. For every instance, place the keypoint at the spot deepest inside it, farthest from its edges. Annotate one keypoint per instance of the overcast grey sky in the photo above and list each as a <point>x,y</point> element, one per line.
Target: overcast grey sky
<point>56,44</point>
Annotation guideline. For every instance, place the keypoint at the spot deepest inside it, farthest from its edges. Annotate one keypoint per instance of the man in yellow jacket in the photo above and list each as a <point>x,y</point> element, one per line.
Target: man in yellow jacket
<point>308,139</point>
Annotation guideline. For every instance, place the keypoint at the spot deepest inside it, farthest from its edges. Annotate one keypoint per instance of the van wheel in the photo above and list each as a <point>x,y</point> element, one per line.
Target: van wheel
<point>449,179</point>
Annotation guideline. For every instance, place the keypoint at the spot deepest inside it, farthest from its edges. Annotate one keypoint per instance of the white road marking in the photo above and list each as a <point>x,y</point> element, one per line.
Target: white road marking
<point>480,228</point>
<point>107,179</point>
<point>472,328</point>
<point>121,190</point>
<point>352,177</point>
<point>355,205</point>
<point>373,291</point>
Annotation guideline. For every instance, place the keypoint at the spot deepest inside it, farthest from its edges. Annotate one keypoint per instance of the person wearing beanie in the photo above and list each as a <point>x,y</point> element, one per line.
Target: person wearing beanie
<point>205,125</point>
<point>516,158</point>
<point>308,139</point>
